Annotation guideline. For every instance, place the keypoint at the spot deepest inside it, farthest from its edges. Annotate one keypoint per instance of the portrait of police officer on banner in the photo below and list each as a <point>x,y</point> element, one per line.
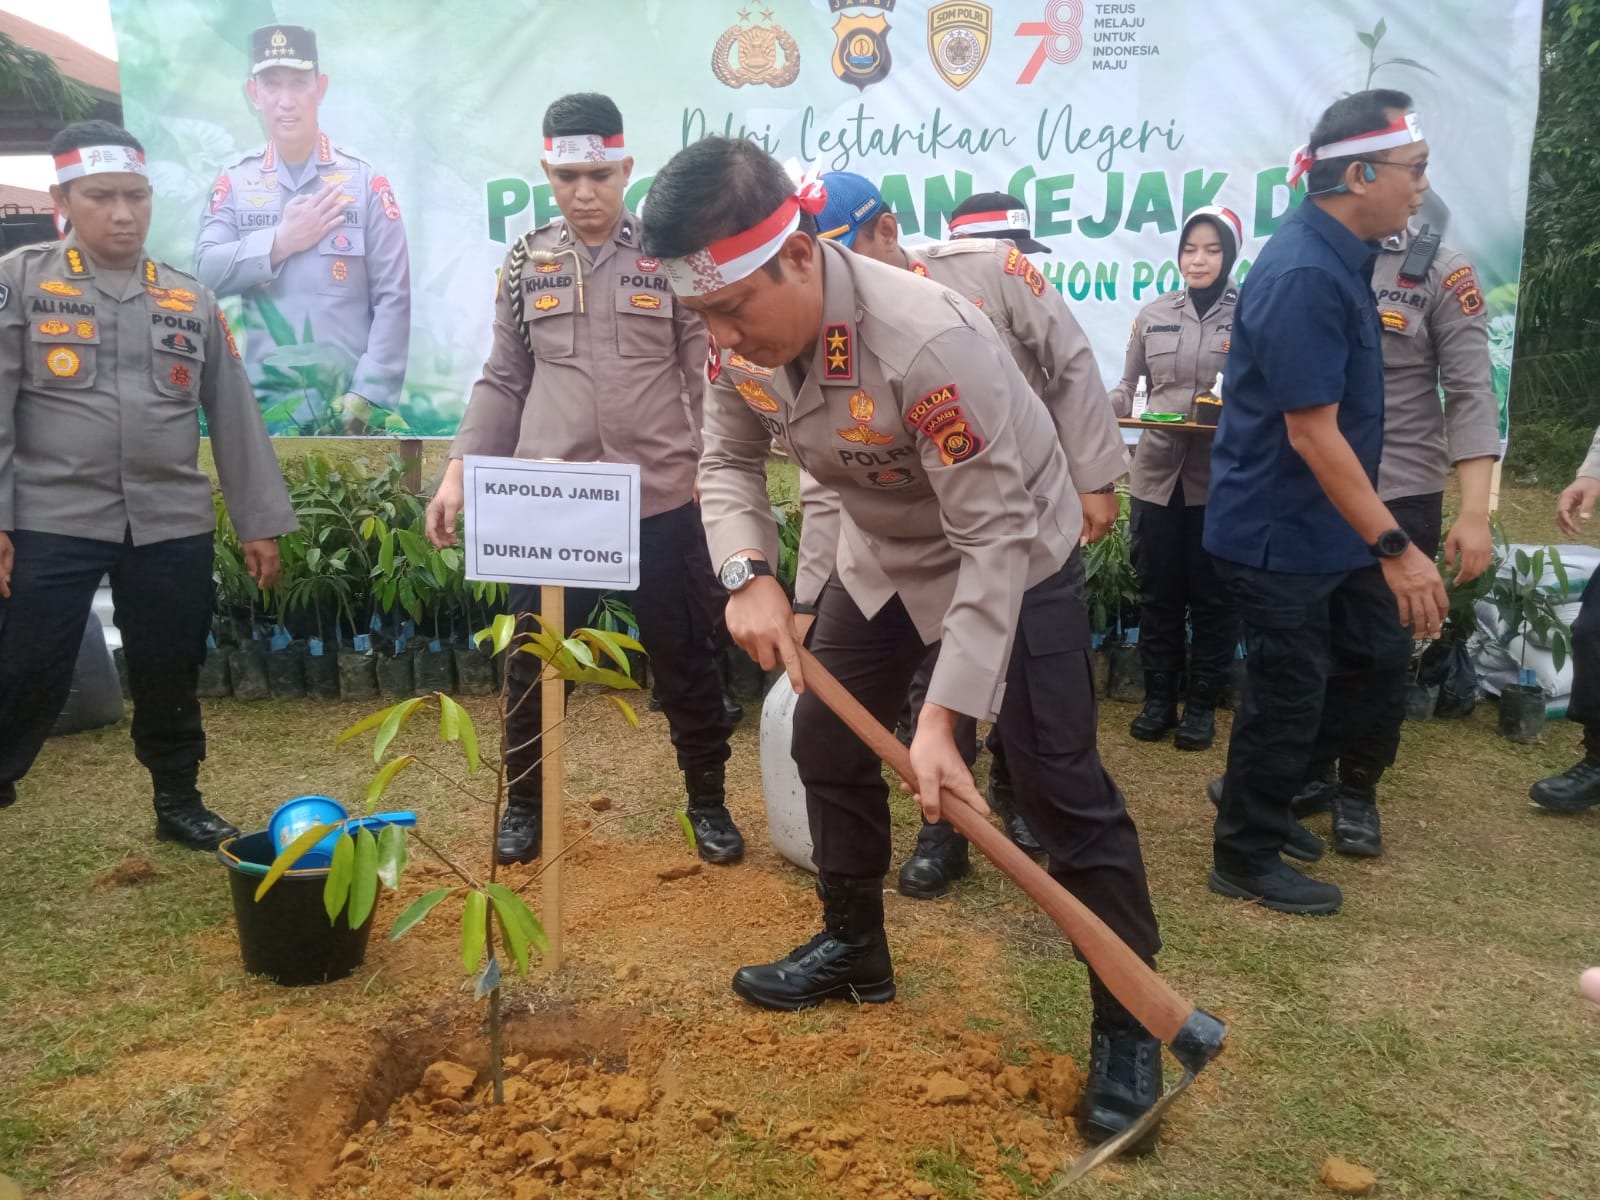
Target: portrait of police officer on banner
<point>308,234</point>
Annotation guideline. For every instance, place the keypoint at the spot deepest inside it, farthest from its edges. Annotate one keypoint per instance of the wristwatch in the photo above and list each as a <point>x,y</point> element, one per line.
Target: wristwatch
<point>741,569</point>
<point>1391,543</point>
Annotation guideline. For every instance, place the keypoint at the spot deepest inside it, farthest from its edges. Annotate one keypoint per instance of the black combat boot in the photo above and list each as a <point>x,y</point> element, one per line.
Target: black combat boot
<point>1317,793</point>
<point>1356,831</point>
<point>1575,790</point>
<point>1198,729</point>
<point>181,815</point>
<point>938,860</point>
<point>1302,844</point>
<point>1124,1079</point>
<point>521,836</point>
<point>716,838</point>
<point>848,960</point>
<point>8,794</point>
<point>1000,798</point>
<point>1160,711</point>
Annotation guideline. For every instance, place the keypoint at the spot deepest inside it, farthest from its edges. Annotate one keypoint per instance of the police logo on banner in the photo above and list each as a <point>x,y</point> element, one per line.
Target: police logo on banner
<point>861,50</point>
<point>958,40</point>
<point>755,54</point>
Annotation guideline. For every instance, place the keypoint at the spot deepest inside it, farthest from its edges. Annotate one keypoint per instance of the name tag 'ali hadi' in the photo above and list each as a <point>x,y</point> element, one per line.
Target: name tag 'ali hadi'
<point>556,523</point>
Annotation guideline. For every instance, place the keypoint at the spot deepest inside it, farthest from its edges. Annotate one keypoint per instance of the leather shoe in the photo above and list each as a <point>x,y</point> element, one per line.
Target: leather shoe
<point>1575,790</point>
<point>717,839</point>
<point>8,794</point>
<point>184,819</point>
<point>1316,794</point>
<point>1124,1083</point>
<point>1302,845</point>
<point>1278,886</point>
<point>848,960</point>
<point>999,794</point>
<point>938,860</point>
<point>521,835</point>
<point>1356,829</point>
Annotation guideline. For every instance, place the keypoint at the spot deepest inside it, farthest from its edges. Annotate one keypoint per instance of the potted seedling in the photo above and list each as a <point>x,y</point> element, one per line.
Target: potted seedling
<point>1527,611</point>
<point>496,922</point>
<point>1111,588</point>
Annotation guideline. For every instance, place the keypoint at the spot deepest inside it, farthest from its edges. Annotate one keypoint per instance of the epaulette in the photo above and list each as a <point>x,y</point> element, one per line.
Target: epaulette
<point>30,248</point>
<point>960,246</point>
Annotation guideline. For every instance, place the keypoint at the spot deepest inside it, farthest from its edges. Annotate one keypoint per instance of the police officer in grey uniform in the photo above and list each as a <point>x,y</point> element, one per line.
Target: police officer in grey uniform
<point>959,525</point>
<point>106,359</point>
<point>985,263</point>
<point>311,230</point>
<point>595,360</point>
<point>1435,343</point>
<point>1179,343</point>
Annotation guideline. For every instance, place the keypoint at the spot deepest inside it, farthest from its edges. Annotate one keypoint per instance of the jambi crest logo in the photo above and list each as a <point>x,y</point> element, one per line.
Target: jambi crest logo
<point>861,52</point>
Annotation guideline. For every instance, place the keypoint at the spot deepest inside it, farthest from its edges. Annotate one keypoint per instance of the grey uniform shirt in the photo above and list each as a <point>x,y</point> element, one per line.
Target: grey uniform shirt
<point>353,287</point>
<point>1591,462</point>
<point>101,387</point>
<point>618,382</point>
<point>1049,348</point>
<point>953,486</point>
<point>1180,353</point>
<point>1435,336</point>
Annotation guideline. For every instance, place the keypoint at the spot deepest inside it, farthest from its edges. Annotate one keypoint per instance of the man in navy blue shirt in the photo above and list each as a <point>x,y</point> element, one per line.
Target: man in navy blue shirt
<point>1324,579</point>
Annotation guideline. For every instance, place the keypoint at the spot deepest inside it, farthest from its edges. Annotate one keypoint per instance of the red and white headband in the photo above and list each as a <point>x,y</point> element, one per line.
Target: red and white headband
<point>1227,216</point>
<point>98,160</point>
<point>572,149</point>
<point>1006,220</point>
<point>1401,132</point>
<point>733,258</point>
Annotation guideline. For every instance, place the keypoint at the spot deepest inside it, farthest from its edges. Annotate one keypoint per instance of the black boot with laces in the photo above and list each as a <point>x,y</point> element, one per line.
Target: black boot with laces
<point>848,960</point>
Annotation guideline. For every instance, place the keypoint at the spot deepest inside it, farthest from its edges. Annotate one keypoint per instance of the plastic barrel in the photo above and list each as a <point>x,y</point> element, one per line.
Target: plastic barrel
<point>780,778</point>
<point>287,937</point>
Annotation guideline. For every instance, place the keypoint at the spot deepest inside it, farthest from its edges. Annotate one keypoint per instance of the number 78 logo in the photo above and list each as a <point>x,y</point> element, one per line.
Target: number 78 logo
<point>1060,36</point>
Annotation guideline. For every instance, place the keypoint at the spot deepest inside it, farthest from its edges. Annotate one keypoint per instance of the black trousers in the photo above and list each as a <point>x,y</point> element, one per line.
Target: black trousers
<point>1327,659</point>
<point>163,595</point>
<point>966,730</point>
<point>1047,722</point>
<point>1584,704</point>
<point>677,623</point>
<point>1422,518</point>
<point>1178,580</point>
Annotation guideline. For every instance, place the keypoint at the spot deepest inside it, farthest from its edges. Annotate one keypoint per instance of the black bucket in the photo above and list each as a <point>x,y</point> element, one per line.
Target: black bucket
<point>1521,712</point>
<point>287,936</point>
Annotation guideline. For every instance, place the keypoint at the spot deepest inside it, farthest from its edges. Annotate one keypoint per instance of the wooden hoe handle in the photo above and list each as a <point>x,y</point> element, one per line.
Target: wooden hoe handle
<point>1187,1030</point>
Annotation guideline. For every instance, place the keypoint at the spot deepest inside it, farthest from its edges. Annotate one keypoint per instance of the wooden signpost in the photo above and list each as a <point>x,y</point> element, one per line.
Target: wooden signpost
<point>555,525</point>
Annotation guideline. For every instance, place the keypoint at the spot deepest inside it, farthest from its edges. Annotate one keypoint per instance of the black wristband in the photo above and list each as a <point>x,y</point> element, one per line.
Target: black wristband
<point>1104,491</point>
<point>802,609</point>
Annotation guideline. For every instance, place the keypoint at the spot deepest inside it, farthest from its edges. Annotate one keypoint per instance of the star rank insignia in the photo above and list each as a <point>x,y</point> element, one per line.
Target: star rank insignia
<point>836,362</point>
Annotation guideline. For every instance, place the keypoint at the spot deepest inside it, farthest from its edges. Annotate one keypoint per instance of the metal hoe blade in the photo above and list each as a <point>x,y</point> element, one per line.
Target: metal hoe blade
<point>1108,1150</point>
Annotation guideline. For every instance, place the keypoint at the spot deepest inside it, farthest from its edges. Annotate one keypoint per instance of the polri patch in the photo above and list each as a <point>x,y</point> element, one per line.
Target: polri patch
<point>220,190</point>
<point>57,287</point>
<point>385,193</point>
<point>934,400</point>
<point>1393,320</point>
<point>1471,300</point>
<point>340,271</point>
<point>644,300</point>
<point>85,329</point>
<point>890,477</point>
<point>178,343</point>
<point>546,302</point>
<point>180,375</point>
<point>53,328</point>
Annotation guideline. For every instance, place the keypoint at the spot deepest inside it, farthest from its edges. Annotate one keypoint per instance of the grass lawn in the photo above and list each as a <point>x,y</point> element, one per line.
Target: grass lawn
<point>1431,1032</point>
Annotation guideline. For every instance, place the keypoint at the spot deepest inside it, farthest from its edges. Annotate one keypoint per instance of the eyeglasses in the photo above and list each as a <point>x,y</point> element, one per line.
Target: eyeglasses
<point>1417,169</point>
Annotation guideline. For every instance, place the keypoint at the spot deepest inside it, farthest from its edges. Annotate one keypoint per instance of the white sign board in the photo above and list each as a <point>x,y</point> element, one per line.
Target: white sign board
<point>564,524</point>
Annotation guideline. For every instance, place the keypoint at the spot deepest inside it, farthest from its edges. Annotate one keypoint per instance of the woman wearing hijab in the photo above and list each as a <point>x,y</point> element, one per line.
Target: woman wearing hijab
<point>1179,344</point>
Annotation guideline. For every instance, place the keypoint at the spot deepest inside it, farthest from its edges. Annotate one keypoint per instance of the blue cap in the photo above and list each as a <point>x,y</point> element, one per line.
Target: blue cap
<point>853,200</point>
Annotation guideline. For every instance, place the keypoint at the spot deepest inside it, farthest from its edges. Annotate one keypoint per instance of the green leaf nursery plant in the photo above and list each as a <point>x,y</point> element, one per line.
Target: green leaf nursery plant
<point>496,923</point>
